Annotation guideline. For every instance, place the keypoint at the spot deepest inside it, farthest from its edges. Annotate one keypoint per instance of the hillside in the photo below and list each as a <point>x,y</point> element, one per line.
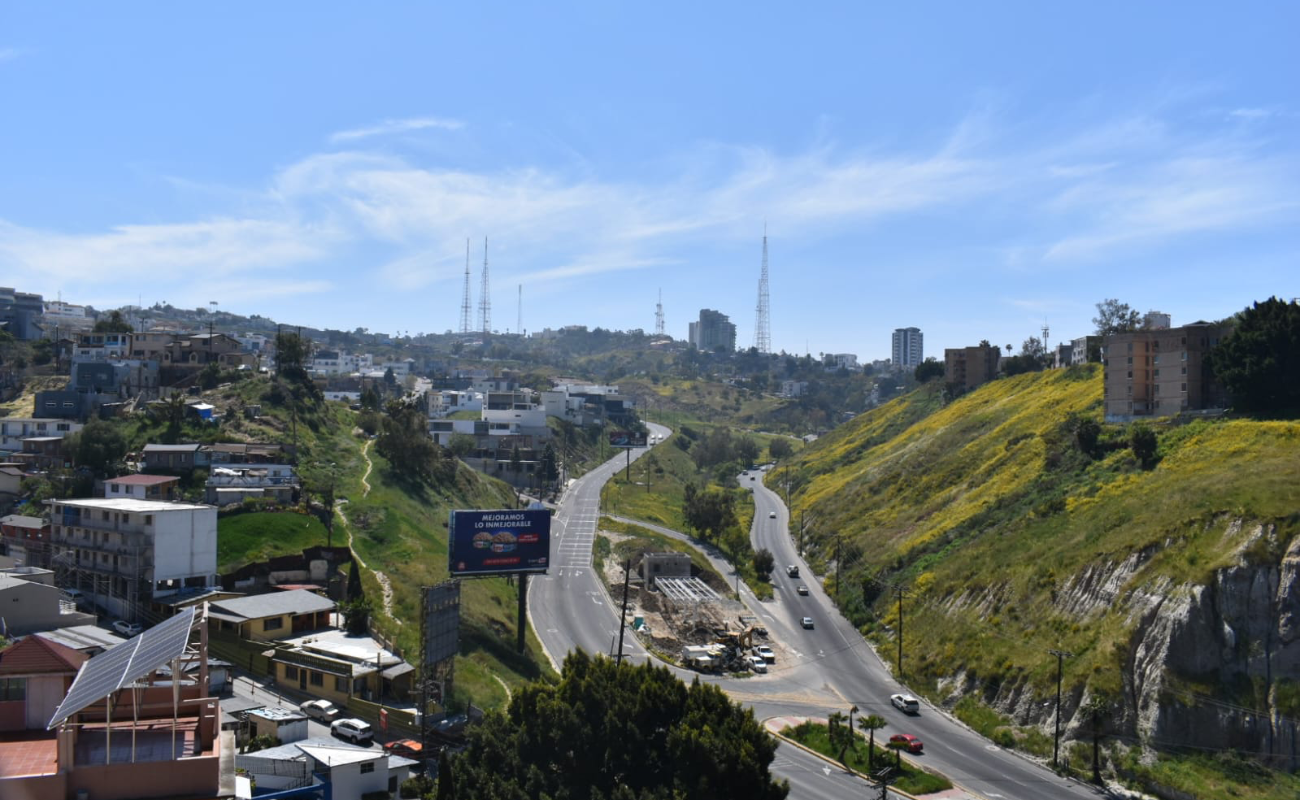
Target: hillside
<point>1172,585</point>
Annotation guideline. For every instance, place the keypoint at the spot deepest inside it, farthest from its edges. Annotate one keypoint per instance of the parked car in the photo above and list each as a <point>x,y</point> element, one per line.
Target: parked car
<point>452,726</point>
<point>807,622</point>
<point>802,589</point>
<point>127,628</point>
<point>766,653</point>
<point>905,703</point>
<point>407,748</point>
<point>322,710</point>
<point>353,730</point>
<point>757,664</point>
<point>906,741</point>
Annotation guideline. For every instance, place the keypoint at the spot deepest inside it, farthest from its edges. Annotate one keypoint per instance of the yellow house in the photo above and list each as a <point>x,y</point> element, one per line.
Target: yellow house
<point>273,616</point>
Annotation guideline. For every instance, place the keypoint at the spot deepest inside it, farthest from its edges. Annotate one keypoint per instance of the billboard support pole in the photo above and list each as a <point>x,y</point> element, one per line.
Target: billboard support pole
<point>622,617</point>
<point>523,612</point>
<point>627,475</point>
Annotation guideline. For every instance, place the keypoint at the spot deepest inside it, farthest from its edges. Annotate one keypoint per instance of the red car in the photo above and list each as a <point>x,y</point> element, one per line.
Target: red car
<point>906,741</point>
<point>410,748</point>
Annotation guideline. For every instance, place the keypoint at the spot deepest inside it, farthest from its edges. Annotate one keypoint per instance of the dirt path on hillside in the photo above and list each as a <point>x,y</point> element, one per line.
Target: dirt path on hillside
<point>385,586</point>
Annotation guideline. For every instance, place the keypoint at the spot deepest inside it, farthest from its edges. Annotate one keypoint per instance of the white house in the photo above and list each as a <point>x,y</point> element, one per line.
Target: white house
<point>13,430</point>
<point>352,772</point>
<point>124,552</point>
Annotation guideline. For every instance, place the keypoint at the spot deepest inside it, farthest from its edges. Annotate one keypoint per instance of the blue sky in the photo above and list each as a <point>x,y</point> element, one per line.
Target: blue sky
<point>973,169</point>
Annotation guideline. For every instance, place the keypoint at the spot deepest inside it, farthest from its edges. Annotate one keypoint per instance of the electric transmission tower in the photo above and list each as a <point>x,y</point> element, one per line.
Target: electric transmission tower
<point>659,315</point>
<point>762,325</point>
<point>484,299</point>
<point>464,300</point>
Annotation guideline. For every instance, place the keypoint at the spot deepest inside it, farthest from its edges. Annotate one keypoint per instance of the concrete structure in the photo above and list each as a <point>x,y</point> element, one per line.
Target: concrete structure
<point>1157,373</point>
<point>124,552</point>
<point>335,666</point>
<point>273,616</point>
<point>27,606</point>
<point>713,332</point>
<point>449,401</point>
<point>21,313</point>
<point>286,724</point>
<point>908,348</point>
<point>665,565</point>
<point>161,488</point>
<point>834,361</point>
<point>65,317</point>
<point>1156,321</point>
<point>175,457</point>
<point>1085,349</point>
<point>11,483</point>
<point>793,388</point>
<point>232,483</point>
<point>968,367</point>
<point>89,639</point>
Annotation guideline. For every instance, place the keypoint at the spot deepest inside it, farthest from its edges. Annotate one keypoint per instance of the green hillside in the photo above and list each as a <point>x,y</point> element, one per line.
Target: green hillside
<point>989,511</point>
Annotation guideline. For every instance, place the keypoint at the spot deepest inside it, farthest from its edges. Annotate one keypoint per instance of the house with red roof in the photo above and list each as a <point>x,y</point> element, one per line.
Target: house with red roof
<point>35,675</point>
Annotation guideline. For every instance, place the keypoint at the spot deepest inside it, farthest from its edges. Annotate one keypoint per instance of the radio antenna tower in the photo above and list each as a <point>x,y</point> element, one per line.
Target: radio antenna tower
<point>762,325</point>
<point>659,315</point>
<point>484,299</point>
<point>464,300</point>
<point>1045,331</point>
<point>519,312</point>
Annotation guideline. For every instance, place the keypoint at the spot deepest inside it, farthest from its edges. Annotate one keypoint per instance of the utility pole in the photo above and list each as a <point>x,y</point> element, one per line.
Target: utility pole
<point>898,589</point>
<point>622,617</point>
<point>1061,655</point>
<point>522,624</point>
<point>839,571</point>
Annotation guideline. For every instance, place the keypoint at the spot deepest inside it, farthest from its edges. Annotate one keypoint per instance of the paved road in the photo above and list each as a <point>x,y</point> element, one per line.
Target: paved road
<point>826,668</point>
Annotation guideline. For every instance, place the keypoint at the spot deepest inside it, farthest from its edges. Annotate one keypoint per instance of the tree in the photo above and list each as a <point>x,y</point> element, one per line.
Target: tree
<point>1115,317</point>
<point>291,352</point>
<point>390,379</point>
<point>928,370</point>
<point>621,731</point>
<point>764,563</point>
<point>708,511</point>
<point>871,723</point>
<point>113,323</point>
<point>100,446</point>
<point>356,616</point>
<point>779,448</point>
<point>550,469</point>
<point>1087,432</point>
<point>461,444</point>
<point>1142,441</point>
<point>1259,362</point>
<point>446,776</point>
<point>354,582</point>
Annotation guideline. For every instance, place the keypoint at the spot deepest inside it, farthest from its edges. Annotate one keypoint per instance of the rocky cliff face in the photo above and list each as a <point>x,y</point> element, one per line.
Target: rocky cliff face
<point>1239,633</point>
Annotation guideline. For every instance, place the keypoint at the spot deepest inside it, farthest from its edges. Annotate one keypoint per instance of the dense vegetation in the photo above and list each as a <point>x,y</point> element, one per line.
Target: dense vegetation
<point>620,732</point>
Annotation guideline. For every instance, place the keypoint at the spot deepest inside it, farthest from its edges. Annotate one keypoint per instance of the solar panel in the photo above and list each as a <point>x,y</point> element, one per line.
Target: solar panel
<point>119,666</point>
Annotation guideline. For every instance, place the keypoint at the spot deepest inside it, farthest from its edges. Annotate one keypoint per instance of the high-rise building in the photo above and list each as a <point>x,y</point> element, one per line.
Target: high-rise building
<point>713,331</point>
<point>909,351</point>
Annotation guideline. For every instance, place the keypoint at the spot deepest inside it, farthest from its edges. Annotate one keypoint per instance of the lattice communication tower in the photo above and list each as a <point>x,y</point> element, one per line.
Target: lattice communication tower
<point>484,299</point>
<point>762,324</point>
<point>464,300</point>
<point>659,315</point>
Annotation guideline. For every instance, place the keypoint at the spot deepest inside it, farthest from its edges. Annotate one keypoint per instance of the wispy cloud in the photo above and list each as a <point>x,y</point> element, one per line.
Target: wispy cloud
<point>1252,113</point>
<point>9,53</point>
<point>391,126</point>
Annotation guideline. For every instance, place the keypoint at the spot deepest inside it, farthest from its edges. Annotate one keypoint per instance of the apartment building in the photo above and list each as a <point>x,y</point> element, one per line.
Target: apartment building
<point>968,367</point>
<point>1161,372</point>
<point>713,331</point>
<point>908,348</point>
<point>13,430</point>
<point>124,552</point>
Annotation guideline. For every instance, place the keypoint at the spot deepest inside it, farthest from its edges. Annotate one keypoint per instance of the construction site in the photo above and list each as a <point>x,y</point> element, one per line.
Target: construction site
<point>687,616</point>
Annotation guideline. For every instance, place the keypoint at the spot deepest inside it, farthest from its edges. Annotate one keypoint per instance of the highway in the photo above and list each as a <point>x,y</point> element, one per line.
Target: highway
<point>825,669</point>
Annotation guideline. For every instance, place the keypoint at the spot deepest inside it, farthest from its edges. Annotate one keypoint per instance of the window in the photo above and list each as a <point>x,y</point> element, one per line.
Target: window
<point>273,624</point>
<point>148,519</point>
<point>13,689</point>
<point>1130,361</point>
<point>367,767</point>
<point>340,684</point>
<point>1184,387</point>
<point>1157,373</point>
<point>1184,370</point>
<point>290,673</point>
<point>317,678</point>
<point>117,489</point>
<point>1184,355</point>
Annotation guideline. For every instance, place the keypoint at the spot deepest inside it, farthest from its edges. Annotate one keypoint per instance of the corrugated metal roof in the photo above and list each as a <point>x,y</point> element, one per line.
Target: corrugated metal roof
<point>258,606</point>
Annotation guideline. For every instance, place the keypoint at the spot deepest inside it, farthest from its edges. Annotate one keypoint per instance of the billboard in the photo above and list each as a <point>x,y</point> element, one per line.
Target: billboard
<point>498,542</point>
<point>441,623</point>
<point>626,439</point>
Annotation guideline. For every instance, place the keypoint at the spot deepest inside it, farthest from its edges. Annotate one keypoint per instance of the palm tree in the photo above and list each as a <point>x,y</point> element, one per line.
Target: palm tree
<point>871,723</point>
<point>849,739</point>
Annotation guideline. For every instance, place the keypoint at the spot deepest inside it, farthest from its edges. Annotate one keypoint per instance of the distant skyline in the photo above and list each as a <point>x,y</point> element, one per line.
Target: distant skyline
<point>972,170</point>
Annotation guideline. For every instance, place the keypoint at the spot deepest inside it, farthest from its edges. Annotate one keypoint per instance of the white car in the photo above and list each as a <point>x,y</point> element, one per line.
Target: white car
<point>764,652</point>
<point>771,515</point>
<point>127,628</point>
<point>757,664</point>
<point>905,703</point>
<point>807,622</point>
<point>357,731</point>
<point>322,710</point>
